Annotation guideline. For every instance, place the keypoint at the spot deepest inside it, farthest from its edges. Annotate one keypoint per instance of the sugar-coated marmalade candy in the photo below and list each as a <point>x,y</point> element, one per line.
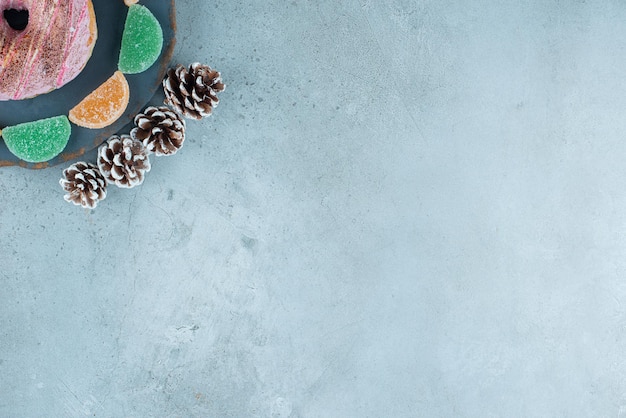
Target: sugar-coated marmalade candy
<point>38,141</point>
<point>104,105</point>
<point>142,40</point>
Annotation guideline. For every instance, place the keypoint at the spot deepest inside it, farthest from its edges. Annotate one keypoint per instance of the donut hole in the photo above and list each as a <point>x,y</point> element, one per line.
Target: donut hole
<point>17,19</point>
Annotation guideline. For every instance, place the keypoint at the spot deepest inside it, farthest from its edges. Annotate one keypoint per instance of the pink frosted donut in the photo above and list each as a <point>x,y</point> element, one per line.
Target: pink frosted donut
<point>44,44</point>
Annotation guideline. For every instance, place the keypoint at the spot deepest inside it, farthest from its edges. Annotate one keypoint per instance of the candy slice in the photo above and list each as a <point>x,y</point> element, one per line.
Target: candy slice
<point>142,40</point>
<point>38,141</point>
<point>104,105</point>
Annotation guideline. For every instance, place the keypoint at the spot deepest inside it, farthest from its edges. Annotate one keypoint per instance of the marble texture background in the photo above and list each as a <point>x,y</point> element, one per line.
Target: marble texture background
<point>401,208</point>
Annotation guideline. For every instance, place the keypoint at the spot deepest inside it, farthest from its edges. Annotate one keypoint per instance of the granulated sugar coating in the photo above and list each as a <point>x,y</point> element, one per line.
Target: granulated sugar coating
<point>104,105</point>
<point>38,141</point>
<point>141,42</point>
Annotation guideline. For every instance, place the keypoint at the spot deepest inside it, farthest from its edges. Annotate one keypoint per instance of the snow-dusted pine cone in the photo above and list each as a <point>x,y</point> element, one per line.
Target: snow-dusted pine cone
<point>192,92</point>
<point>123,161</point>
<point>160,129</point>
<point>85,185</point>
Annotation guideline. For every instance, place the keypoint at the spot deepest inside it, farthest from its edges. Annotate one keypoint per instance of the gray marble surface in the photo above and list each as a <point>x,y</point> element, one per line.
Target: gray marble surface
<point>401,208</point>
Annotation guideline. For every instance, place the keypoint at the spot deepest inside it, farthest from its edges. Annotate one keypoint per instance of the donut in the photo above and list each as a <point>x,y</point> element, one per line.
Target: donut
<point>44,44</point>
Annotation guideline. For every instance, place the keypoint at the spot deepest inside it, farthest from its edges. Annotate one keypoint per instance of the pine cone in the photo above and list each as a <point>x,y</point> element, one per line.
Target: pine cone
<point>160,129</point>
<point>123,161</point>
<point>193,92</point>
<point>85,185</point>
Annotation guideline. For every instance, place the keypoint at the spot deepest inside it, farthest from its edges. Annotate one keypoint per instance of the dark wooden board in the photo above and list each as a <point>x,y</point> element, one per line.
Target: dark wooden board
<point>110,17</point>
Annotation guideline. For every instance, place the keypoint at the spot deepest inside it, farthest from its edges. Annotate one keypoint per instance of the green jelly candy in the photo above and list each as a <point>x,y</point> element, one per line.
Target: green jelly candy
<point>142,40</point>
<point>38,141</point>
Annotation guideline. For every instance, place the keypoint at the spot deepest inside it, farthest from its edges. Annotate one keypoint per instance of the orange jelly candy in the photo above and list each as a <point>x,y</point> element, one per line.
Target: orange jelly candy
<point>104,105</point>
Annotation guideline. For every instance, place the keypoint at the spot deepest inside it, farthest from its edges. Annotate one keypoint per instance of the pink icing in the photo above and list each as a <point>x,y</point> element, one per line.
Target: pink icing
<point>50,52</point>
